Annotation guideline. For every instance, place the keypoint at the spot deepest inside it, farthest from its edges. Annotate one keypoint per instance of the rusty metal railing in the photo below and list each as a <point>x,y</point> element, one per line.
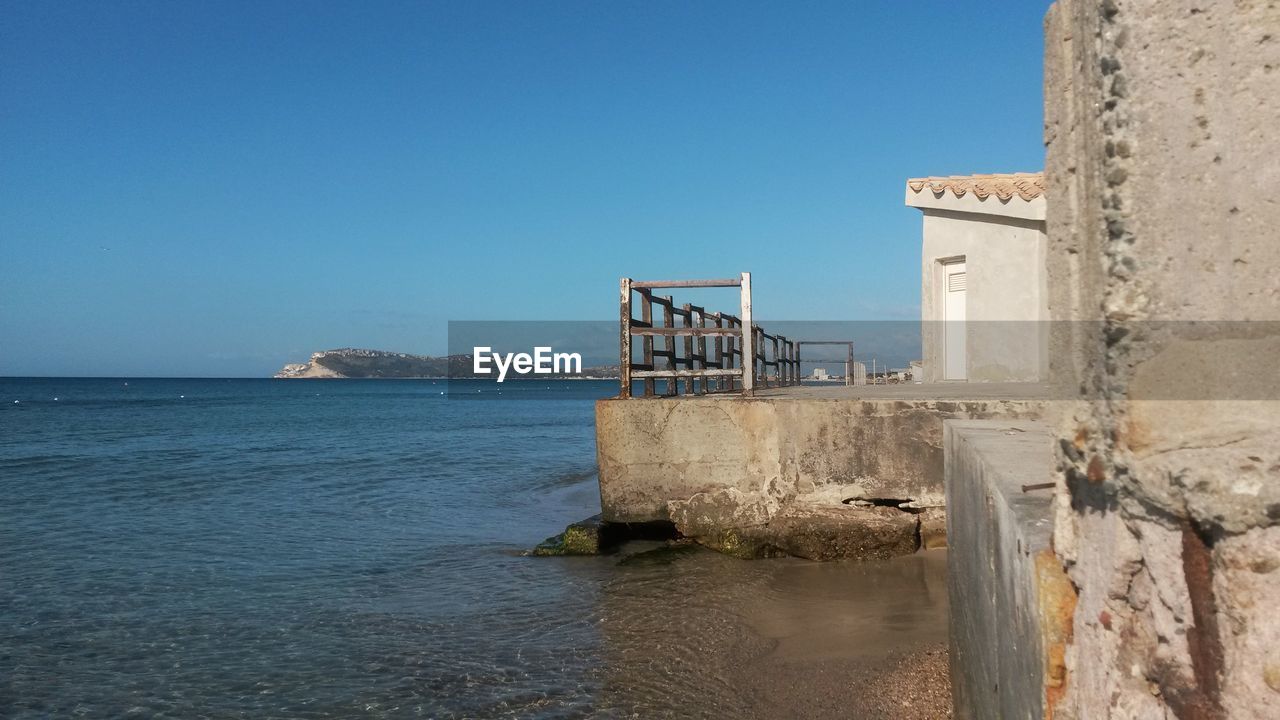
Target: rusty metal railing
<point>849,364</point>
<point>737,359</point>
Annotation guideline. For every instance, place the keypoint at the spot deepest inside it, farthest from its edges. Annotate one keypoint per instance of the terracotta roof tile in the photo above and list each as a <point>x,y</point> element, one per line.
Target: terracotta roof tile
<point>1027,186</point>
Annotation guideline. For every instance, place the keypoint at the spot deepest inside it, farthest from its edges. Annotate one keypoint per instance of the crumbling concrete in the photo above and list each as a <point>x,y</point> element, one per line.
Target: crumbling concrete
<point>748,475</point>
<point>831,523</point>
<point>843,532</point>
<point>1011,603</point>
<point>656,450</point>
<point>1163,129</point>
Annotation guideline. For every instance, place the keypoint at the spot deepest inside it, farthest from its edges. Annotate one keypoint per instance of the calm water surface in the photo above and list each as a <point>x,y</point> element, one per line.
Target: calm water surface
<point>258,548</point>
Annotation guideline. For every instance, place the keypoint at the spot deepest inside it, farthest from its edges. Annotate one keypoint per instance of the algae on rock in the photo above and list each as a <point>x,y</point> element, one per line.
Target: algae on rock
<point>580,538</point>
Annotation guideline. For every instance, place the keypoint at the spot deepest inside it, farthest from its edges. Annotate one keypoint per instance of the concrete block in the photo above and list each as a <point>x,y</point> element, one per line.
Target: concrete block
<point>1010,600</point>
<point>843,532</point>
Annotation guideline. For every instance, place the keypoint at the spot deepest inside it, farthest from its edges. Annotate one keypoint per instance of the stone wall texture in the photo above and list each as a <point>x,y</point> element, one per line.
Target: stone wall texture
<point>1162,123</point>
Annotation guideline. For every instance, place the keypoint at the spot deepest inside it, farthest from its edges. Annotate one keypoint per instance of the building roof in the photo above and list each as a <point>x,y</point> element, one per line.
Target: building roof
<point>1004,186</point>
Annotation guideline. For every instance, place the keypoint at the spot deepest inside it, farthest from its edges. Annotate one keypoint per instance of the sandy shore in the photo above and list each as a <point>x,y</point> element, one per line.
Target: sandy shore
<point>911,685</point>
<point>699,634</point>
<point>866,641</point>
<point>914,686</point>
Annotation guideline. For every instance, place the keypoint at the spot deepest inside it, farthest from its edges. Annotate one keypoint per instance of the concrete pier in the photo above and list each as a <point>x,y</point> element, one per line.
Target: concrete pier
<point>762,471</point>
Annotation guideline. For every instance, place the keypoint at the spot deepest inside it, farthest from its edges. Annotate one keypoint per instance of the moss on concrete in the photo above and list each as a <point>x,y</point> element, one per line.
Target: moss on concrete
<point>740,543</point>
<point>580,538</point>
<point>594,536</point>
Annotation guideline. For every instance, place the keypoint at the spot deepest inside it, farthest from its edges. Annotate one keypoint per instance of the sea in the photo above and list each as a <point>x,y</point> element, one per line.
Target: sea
<point>245,548</point>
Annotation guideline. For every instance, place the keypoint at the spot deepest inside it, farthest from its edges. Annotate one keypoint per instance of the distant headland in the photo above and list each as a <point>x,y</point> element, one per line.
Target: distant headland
<point>359,363</point>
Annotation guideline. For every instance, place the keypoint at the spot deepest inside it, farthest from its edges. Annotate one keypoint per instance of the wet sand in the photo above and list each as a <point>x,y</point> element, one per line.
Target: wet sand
<point>900,685</point>
<point>862,640</point>
<point>716,637</point>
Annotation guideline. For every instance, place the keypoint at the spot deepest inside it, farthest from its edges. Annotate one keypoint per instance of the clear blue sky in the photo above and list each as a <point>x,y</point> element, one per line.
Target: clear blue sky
<point>275,178</point>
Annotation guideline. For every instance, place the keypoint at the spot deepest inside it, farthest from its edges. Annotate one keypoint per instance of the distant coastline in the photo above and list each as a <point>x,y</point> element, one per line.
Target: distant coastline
<point>356,363</point>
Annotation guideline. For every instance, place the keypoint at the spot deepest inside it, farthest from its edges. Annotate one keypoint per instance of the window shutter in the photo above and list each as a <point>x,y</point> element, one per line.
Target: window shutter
<point>956,282</point>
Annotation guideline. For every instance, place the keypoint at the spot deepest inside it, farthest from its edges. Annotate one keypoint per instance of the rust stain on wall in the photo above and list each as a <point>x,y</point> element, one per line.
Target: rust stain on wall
<point>1204,644</point>
<point>1057,598</point>
<point>1097,473</point>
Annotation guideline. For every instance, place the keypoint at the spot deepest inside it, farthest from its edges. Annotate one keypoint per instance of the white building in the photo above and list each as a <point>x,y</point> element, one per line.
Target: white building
<point>819,374</point>
<point>857,374</point>
<point>983,296</point>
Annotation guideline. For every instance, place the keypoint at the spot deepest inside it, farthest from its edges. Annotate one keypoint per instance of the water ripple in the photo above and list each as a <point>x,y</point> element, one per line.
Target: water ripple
<point>297,549</point>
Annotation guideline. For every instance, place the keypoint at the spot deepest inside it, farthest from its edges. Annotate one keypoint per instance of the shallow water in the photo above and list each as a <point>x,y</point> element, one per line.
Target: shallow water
<point>257,548</point>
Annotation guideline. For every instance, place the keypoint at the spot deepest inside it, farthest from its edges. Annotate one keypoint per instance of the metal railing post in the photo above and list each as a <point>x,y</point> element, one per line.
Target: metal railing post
<point>624,316</point>
<point>777,360</point>
<point>718,349</point>
<point>791,362</point>
<point>748,339</point>
<point>646,342</point>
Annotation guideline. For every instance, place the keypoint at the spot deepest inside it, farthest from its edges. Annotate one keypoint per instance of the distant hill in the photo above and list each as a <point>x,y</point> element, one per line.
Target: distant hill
<point>357,363</point>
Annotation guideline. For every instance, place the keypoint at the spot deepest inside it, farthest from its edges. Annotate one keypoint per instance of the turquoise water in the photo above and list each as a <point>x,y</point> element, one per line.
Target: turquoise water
<point>259,548</point>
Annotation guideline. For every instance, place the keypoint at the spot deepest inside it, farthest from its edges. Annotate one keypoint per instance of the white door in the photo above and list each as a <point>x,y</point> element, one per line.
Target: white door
<point>954,364</point>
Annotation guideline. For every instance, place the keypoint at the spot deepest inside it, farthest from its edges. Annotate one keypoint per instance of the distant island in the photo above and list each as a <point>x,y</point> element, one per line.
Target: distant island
<point>358,363</point>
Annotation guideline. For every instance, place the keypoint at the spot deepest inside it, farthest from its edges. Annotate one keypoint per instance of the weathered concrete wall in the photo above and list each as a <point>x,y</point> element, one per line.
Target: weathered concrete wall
<point>655,450</point>
<point>1163,132</point>
<point>1010,601</point>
